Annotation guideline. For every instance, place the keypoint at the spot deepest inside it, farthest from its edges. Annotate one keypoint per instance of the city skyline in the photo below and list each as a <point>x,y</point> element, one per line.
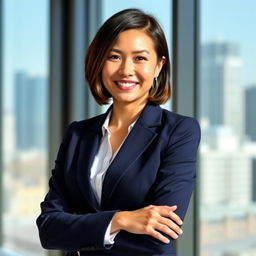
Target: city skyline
<point>226,165</point>
<point>31,101</point>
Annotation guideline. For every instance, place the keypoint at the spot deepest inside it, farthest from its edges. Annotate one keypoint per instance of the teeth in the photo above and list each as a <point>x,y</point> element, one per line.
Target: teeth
<point>126,84</point>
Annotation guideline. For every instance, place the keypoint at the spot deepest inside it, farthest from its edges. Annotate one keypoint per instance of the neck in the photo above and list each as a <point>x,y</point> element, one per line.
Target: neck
<point>125,114</point>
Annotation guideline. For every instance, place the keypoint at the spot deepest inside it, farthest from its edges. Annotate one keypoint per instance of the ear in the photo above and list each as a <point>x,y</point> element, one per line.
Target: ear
<point>159,66</point>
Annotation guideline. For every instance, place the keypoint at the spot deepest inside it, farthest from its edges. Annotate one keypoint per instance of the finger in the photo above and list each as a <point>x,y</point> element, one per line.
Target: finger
<point>173,207</point>
<point>159,236</point>
<point>175,218</point>
<point>171,225</point>
<point>165,229</point>
<point>166,212</point>
<point>170,208</point>
<point>172,215</point>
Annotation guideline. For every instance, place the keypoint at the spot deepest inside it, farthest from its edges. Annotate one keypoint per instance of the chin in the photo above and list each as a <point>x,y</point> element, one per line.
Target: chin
<point>125,99</point>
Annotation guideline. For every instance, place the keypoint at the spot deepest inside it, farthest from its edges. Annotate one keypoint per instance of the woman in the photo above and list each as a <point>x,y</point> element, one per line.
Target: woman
<point>123,180</point>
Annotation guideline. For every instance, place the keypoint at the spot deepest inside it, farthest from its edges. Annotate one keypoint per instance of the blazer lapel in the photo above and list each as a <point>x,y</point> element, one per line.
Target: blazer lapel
<point>89,145</point>
<point>88,149</point>
<point>141,136</point>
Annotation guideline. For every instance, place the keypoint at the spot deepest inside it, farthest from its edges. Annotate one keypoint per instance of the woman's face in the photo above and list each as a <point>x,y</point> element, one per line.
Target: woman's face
<point>131,66</point>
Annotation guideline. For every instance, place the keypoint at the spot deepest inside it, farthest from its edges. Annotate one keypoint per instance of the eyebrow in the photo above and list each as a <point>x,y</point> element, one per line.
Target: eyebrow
<point>134,52</point>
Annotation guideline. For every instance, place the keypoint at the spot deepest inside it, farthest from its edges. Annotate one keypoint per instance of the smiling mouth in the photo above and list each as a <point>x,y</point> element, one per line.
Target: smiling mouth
<point>126,85</point>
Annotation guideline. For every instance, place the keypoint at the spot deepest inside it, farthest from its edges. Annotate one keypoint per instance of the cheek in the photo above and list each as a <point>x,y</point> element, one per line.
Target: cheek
<point>105,72</point>
<point>108,70</point>
<point>147,72</point>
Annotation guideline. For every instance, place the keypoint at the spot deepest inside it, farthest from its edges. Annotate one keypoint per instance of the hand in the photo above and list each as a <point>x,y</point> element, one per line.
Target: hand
<point>149,221</point>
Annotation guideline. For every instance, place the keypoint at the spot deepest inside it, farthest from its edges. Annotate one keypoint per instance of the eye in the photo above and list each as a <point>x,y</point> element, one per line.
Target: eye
<point>141,58</point>
<point>114,57</point>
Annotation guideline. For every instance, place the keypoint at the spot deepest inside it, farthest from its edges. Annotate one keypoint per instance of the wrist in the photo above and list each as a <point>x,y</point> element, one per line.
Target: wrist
<point>118,222</point>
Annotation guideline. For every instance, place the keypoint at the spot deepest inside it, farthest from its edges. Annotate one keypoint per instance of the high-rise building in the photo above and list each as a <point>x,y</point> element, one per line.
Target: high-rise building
<point>222,99</point>
<point>226,169</point>
<point>250,117</point>
<point>30,111</point>
<point>254,180</point>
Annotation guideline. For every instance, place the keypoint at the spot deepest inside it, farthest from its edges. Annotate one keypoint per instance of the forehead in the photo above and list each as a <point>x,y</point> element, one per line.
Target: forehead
<point>134,39</point>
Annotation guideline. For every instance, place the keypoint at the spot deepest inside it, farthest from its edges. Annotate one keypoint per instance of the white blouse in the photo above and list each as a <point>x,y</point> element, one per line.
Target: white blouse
<point>100,165</point>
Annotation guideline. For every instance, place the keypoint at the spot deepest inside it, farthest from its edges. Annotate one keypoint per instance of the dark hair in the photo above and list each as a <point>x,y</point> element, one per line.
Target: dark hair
<point>106,38</point>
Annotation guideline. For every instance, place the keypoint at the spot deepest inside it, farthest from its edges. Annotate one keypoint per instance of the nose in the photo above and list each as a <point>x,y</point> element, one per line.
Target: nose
<point>126,67</point>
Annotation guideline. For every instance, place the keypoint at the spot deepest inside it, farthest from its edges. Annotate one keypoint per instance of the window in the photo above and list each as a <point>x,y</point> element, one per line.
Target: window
<point>24,119</point>
<point>228,122</point>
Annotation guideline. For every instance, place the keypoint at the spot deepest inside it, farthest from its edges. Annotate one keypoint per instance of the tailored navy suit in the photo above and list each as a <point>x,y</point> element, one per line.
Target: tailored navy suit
<point>155,166</point>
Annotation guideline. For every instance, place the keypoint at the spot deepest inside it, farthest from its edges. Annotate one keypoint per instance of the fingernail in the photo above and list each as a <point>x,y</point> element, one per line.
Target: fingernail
<point>167,241</point>
<point>176,236</point>
<point>180,222</point>
<point>181,231</point>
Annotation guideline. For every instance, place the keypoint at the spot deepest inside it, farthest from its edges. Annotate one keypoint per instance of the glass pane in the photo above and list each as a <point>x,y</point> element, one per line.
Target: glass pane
<point>25,107</point>
<point>228,121</point>
<point>162,12</point>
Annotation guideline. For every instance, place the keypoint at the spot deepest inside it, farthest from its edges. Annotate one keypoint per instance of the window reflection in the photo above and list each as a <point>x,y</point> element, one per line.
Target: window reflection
<point>25,108</point>
<point>228,148</point>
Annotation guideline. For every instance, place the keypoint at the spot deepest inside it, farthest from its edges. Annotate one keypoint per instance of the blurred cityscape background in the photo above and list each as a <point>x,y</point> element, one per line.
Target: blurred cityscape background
<point>227,114</point>
<point>227,153</point>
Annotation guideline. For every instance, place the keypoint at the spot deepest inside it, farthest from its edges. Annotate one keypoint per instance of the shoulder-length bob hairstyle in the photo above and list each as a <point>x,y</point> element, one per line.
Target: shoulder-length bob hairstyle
<point>105,39</point>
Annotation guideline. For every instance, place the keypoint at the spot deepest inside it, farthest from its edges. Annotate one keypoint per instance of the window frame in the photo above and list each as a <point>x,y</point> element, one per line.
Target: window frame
<point>1,124</point>
<point>186,20</point>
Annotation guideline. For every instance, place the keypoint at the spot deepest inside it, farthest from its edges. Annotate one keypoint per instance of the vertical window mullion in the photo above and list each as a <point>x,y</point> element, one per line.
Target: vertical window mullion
<point>185,54</point>
<point>1,134</point>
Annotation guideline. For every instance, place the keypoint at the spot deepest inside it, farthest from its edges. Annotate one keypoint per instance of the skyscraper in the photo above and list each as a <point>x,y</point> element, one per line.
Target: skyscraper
<point>222,100</point>
<point>254,180</point>
<point>250,107</point>
<point>226,168</point>
<point>30,111</point>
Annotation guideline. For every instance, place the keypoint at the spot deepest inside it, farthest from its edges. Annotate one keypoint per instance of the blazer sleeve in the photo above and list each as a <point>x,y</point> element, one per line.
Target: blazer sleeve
<point>59,227</point>
<point>177,172</point>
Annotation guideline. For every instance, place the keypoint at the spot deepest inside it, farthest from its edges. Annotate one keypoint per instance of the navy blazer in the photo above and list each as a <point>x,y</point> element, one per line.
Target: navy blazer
<point>156,165</point>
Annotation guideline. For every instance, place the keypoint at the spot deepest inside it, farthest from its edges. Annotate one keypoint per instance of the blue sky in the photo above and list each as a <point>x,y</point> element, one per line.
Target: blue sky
<point>233,21</point>
<point>26,31</point>
<point>26,34</point>
<point>25,41</point>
